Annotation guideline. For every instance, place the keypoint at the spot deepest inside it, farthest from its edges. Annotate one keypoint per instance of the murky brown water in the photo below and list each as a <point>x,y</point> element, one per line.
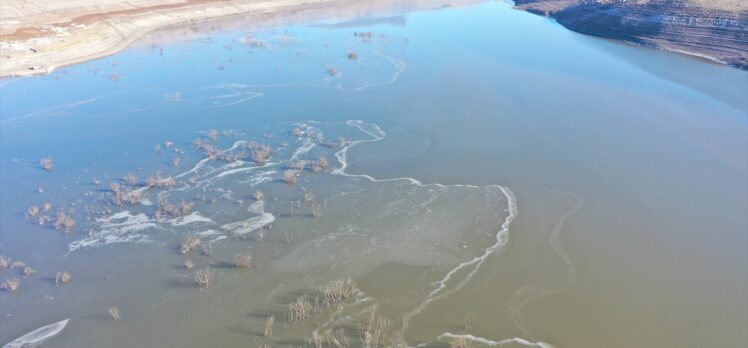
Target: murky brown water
<point>490,176</point>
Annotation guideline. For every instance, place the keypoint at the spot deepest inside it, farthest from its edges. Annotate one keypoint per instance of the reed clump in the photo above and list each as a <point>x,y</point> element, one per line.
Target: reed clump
<point>203,277</point>
<point>11,284</point>
<point>114,312</point>
<point>375,331</point>
<point>47,163</point>
<point>159,181</point>
<point>190,244</point>
<point>243,260</point>
<point>63,277</point>
<point>300,309</point>
<point>338,291</point>
<point>269,326</point>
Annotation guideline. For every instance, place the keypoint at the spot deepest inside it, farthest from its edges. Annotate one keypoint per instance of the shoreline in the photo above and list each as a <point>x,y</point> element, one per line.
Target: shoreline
<point>31,51</point>
<point>77,43</point>
<point>715,32</point>
<point>40,47</point>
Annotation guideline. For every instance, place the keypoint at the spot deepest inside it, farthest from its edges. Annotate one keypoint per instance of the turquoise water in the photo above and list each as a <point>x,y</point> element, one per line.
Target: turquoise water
<point>490,174</point>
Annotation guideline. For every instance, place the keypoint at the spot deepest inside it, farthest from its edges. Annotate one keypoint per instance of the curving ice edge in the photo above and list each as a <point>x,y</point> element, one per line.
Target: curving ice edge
<point>502,237</point>
<point>487,342</point>
<point>38,336</point>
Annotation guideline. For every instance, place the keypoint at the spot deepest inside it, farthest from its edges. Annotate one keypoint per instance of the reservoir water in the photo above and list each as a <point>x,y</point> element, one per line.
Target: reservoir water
<point>482,176</point>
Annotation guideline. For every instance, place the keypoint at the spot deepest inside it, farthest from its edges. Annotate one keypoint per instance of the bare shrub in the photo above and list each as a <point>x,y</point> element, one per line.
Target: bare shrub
<point>296,132</point>
<point>352,55</point>
<point>63,277</point>
<point>242,260</point>
<point>4,262</point>
<point>203,277</point>
<point>131,179</point>
<point>190,244</point>
<point>290,176</point>
<point>28,271</point>
<point>188,264</point>
<point>114,312</point>
<point>64,222</point>
<point>298,165</point>
<point>261,154</point>
<point>11,284</point>
<point>33,211</point>
<point>258,195</point>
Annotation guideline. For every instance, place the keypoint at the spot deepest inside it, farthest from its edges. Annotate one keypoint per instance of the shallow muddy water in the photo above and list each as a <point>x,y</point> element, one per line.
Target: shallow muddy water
<point>477,172</point>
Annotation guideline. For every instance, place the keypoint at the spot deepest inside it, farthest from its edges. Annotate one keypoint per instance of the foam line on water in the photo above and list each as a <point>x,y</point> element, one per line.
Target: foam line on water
<point>492,343</point>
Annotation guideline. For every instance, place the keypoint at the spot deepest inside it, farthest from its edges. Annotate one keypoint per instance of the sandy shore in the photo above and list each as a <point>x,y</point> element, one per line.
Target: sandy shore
<point>37,36</point>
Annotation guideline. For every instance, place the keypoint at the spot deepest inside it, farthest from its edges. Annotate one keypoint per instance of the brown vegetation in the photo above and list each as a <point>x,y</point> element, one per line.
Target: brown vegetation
<point>64,222</point>
<point>156,180</point>
<point>190,244</point>
<point>290,176</point>
<point>300,309</point>
<point>352,55</point>
<point>131,179</point>
<point>203,277</point>
<point>375,330</point>
<point>338,291</point>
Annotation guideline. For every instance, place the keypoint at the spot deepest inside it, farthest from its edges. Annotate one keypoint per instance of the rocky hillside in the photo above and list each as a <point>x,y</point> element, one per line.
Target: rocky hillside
<point>715,29</point>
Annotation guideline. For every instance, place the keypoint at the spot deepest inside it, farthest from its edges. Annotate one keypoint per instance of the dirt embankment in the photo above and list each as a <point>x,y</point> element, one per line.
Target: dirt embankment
<point>715,29</point>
